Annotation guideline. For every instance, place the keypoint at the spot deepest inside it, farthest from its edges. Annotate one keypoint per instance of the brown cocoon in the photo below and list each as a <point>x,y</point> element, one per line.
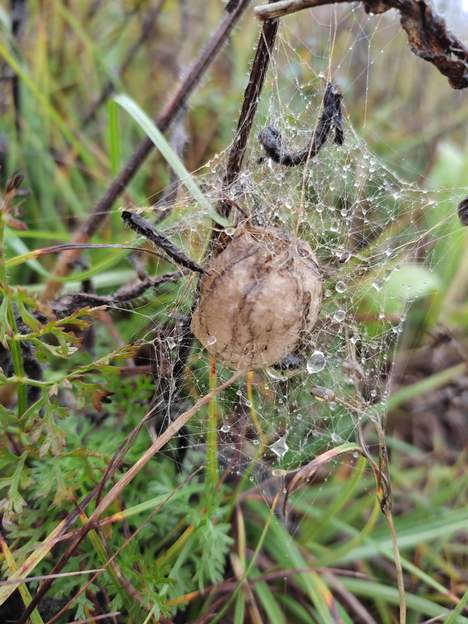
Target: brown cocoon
<point>257,298</point>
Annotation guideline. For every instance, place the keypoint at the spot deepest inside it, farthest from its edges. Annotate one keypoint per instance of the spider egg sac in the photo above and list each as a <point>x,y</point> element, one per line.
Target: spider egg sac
<point>257,298</point>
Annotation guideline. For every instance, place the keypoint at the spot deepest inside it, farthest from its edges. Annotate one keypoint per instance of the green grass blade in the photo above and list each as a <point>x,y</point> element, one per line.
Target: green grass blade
<point>454,616</point>
<point>268,602</point>
<point>153,132</point>
<point>370,589</point>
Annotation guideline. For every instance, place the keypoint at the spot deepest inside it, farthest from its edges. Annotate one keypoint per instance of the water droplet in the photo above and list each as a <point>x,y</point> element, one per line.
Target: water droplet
<point>171,343</point>
<point>225,428</point>
<point>332,406</point>
<point>280,447</point>
<point>336,439</point>
<point>340,287</point>
<point>211,341</point>
<point>316,362</point>
<point>339,316</point>
<point>377,284</point>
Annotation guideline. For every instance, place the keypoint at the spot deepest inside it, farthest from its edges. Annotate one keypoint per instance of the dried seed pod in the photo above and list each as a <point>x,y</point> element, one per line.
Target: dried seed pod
<point>257,297</point>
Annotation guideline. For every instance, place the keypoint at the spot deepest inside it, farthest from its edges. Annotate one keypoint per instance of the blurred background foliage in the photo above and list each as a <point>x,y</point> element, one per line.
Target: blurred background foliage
<point>60,63</point>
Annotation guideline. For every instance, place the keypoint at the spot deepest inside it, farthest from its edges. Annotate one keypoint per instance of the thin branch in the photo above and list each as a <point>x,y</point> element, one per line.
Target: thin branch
<point>127,294</point>
<point>18,17</point>
<point>287,7</point>
<point>249,108</point>
<point>96,618</point>
<point>144,227</point>
<point>196,71</point>
<point>427,33</point>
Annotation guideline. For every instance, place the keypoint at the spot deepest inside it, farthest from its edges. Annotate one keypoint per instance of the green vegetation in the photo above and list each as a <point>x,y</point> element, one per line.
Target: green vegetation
<point>193,527</point>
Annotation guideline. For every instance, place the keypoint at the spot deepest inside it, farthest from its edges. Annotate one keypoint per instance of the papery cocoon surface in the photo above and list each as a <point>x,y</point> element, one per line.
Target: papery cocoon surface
<point>257,298</point>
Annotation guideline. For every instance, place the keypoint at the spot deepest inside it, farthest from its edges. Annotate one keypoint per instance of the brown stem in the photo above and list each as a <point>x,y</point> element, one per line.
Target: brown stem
<point>146,229</point>
<point>18,16</point>
<point>249,108</point>
<point>163,121</point>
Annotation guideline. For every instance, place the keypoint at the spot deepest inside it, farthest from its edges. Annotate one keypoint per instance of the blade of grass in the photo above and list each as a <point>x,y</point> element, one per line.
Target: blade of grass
<point>372,590</point>
<point>424,386</point>
<point>159,140</point>
<point>239,610</point>
<point>338,503</point>
<point>454,616</point>
<point>23,590</point>
<point>286,552</point>
<point>422,532</point>
<point>258,548</point>
<point>268,602</point>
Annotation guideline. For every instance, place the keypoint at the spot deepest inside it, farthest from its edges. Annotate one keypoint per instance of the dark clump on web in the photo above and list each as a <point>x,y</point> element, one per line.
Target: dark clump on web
<point>463,211</point>
<point>330,119</point>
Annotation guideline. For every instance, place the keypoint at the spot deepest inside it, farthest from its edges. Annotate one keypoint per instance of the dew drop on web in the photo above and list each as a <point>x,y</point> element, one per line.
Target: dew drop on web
<point>316,362</point>
<point>339,316</point>
<point>280,447</point>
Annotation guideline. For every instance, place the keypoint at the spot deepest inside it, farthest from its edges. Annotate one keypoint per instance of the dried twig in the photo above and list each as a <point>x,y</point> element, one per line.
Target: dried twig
<point>173,106</point>
<point>144,227</point>
<point>249,108</point>
<point>330,119</point>
<point>427,33</point>
<point>18,17</point>
<point>124,296</point>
